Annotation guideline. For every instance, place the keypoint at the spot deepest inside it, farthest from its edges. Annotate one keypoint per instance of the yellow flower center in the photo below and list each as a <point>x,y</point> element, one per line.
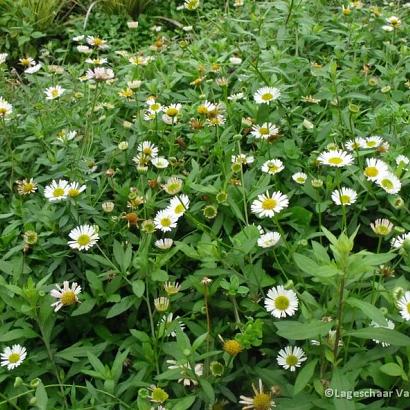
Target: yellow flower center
<point>58,192</point>
<point>202,109</point>
<point>68,298</point>
<point>174,187</point>
<point>282,302</point>
<point>25,61</point>
<point>408,307</point>
<point>179,209</point>
<point>232,347</point>
<point>335,160</point>
<point>262,401</point>
<point>345,199</point>
<point>73,192</point>
<point>98,41</point>
<point>267,96</point>
<point>382,230</point>
<point>54,92</point>
<point>300,180</point>
<point>292,360</point>
<point>273,168</point>
<point>155,107</point>
<point>28,187</point>
<point>172,112</point>
<point>83,240</point>
<point>3,111</point>
<point>371,171</point>
<point>371,144</point>
<point>14,358</point>
<point>269,204</point>
<point>263,131</point>
<point>386,183</point>
<point>166,222</point>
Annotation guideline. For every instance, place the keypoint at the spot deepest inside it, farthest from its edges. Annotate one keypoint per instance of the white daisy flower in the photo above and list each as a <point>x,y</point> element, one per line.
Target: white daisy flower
<point>191,4</point>
<point>268,239</point>
<point>281,302</point>
<point>74,189</point>
<point>389,182</point>
<point>382,227</point>
<point>268,205</point>
<point>163,244</point>
<point>404,306</point>
<point>394,22</point>
<point>96,61</point>
<point>335,158</point>
<point>97,42</point>
<point>13,356</point>
<point>83,237</point>
<point>34,69</point>
<point>299,177</point>
<point>373,142</point>
<point>243,159</point>
<point>165,221</point>
<point>84,49</point>
<point>266,94</point>
<point>265,131</point>
<point>236,97</point>
<point>54,92</point>
<point>173,185</point>
<point>100,74</point>
<point>291,357</point>
<point>344,197</point>
<point>402,161</point>
<point>153,106</point>
<point>374,168</point>
<point>272,166</point>
<point>66,295</point>
<point>5,108</point>
<point>172,110</point>
<point>27,62</point>
<point>159,162</point>
<point>56,191</point>
<point>178,205</point>
<point>399,241</point>
<point>261,400</point>
<point>355,144</point>
<point>148,149</point>
<point>167,321</point>
<point>390,325</point>
<point>3,57</point>
<point>206,108</point>
<point>79,38</point>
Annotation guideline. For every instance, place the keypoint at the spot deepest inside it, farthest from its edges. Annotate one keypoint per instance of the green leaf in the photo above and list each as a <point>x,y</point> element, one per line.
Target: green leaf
<point>84,307</point>
<point>18,334</point>
<point>300,331</point>
<point>159,275</point>
<point>41,397</point>
<point>304,376</point>
<point>138,287</point>
<point>184,404</point>
<point>383,335</point>
<point>96,364</point>
<point>372,312</point>
<point>121,307</point>
<point>208,390</point>
<point>245,241</point>
<point>391,369</point>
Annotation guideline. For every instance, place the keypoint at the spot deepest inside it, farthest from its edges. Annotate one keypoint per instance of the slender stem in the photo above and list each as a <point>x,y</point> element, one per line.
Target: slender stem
<point>151,322</point>
<point>339,319</point>
<point>236,310</point>
<point>245,207</point>
<point>51,357</point>
<point>289,12</point>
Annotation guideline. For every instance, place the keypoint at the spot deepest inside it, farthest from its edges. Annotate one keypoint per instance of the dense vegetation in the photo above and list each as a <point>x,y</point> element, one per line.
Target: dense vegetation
<point>204,205</point>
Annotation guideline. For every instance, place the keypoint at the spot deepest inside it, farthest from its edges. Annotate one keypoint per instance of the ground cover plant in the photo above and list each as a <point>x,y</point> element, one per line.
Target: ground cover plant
<point>208,209</point>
